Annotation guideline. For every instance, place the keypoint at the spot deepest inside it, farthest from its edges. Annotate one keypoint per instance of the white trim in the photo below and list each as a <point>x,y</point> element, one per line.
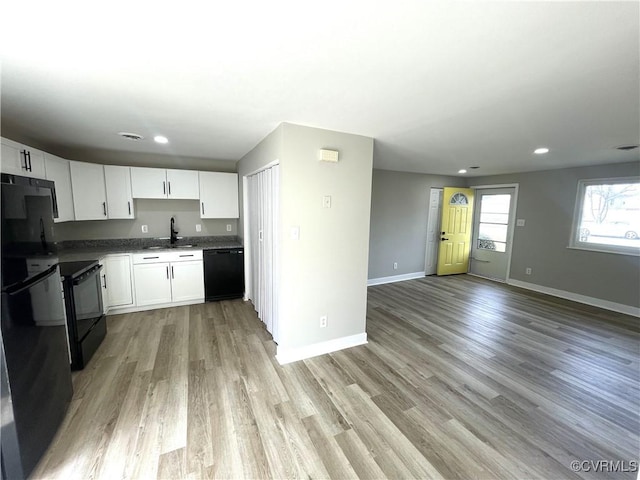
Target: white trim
<point>289,355</point>
<point>134,308</point>
<point>499,185</point>
<point>512,226</point>
<point>574,239</point>
<point>576,297</point>
<point>395,278</point>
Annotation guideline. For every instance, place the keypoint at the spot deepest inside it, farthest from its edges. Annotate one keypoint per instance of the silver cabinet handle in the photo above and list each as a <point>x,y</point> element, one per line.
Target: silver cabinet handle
<point>203,208</point>
<point>104,208</point>
<point>129,207</point>
<point>167,272</point>
<point>172,276</point>
<point>149,258</point>
<point>169,187</point>
<point>164,188</point>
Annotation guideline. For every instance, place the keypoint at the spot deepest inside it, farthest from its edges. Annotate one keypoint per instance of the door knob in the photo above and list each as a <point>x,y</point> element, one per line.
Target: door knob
<point>443,239</point>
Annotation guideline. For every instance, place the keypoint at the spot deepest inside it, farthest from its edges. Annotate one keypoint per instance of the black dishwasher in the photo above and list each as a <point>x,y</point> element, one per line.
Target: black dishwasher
<point>223,273</point>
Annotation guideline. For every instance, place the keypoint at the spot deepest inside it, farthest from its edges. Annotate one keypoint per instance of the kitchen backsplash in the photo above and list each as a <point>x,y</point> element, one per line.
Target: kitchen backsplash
<point>156,215</point>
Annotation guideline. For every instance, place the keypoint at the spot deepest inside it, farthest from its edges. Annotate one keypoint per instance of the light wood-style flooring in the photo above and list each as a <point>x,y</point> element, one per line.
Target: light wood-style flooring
<point>462,378</point>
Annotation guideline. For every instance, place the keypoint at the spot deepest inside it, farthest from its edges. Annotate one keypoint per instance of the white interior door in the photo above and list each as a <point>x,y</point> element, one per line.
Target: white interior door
<point>493,232</point>
<point>263,188</point>
<point>433,231</point>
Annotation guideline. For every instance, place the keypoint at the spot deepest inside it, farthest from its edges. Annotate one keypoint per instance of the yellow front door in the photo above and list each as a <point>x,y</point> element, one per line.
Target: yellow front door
<point>455,230</point>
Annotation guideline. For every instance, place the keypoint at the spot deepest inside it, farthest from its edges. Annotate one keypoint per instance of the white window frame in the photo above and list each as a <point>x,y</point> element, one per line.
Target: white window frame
<point>574,240</point>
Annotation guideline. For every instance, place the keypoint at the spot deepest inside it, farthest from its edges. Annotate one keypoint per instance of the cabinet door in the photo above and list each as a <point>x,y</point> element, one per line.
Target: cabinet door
<point>187,281</point>
<point>148,182</point>
<point>218,195</point>
<point>57,170</point>
<point>35,162</point>
<point>89,196</point>
<point>182,184</point>
<point>152,283</point>
<point>118,280</point>
<point>11,159</point>
<point>118,187</point>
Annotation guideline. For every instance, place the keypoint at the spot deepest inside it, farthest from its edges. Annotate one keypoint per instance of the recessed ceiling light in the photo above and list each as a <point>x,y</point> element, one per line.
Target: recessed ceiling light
<point>130,136</point>
<point>462,171</point>
<point>161,139</point>
<point>541,151</point>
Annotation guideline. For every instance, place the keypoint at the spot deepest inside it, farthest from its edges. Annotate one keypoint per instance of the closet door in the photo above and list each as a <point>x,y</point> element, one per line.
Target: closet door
<point>263,215</point>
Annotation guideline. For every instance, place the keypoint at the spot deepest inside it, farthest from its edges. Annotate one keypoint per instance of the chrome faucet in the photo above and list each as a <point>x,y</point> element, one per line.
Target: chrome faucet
<point>174,232</point>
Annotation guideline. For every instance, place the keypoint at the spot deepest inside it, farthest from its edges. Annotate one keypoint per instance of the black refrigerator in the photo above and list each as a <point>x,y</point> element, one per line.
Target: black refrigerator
<point>35,376</point>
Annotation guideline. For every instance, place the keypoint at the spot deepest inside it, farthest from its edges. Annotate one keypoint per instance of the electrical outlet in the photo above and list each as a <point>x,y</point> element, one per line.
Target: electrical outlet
<point>198,227</point>
<point>228,227</point>
<point>323,321</point>
<point>145,228</point>
<point>395,265</point>
<point>527,271</point>
<point>326,201</point>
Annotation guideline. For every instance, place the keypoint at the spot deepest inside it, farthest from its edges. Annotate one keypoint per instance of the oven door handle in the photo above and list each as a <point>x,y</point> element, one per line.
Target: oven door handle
<point>22,286</point>
<point>86,275</point>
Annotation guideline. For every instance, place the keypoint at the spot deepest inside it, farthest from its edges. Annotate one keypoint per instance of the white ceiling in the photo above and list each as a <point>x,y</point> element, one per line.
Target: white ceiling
<point>440,85</point>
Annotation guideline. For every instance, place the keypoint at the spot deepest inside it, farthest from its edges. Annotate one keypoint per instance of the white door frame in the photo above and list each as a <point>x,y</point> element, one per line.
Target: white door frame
<point>512,225</point>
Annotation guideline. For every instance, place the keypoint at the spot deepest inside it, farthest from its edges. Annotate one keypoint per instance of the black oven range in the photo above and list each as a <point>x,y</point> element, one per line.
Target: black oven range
<point>85,316</point>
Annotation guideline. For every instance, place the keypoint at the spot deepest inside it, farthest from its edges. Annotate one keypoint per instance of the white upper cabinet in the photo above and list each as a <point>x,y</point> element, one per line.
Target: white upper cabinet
<point>162,183</point>
<point>182,184</point>
<point>89,194</point>
<point>118,188</point>
<point>218,195</point>
<point>22,160</point>
<point>57,170</point>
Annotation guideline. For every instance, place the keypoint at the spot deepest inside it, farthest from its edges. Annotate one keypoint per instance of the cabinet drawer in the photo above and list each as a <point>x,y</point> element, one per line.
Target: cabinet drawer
<point>164,256</point>
<point>184,255</point>
<point>151,257</point>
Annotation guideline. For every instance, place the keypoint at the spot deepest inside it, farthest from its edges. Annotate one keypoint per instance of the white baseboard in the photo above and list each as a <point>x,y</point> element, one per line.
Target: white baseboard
<point>289,355</point>
<point>395,278</point>
<point>132,309</point>
<point>576,297</point>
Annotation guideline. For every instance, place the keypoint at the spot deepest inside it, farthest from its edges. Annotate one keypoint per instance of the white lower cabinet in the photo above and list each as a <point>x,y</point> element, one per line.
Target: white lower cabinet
<point>187,281</point>
<point>165,278</point>
<point>117,280</point>
<point>153,284</point>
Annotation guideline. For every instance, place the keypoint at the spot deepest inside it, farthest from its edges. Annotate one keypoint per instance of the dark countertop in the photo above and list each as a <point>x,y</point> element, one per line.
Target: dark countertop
<point>72,251</point>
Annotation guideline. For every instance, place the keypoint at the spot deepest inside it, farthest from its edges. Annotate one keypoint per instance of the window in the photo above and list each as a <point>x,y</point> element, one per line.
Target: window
<point>459,199</point>
<point>494,222</point>
<point>607,215</point>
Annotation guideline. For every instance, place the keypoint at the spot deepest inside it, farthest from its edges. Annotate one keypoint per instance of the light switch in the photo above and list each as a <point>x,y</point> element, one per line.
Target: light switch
<point>326,201</point>
<point>228,227</point>
<point>145,229</point>
<point>295,233</point>
<point>520,222</point>
<point>198,227</point>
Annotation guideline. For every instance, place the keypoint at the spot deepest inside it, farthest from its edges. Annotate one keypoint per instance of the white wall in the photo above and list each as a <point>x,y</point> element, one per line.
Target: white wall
<point>325,271</point>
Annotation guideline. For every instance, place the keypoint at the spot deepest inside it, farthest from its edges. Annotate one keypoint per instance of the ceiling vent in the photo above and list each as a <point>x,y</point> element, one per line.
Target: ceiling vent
<point>627,147</point>
<point>131,136</point>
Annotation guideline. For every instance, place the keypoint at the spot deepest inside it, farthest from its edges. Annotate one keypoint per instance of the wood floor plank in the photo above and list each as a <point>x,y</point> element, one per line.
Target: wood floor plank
<point>461,378</point>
